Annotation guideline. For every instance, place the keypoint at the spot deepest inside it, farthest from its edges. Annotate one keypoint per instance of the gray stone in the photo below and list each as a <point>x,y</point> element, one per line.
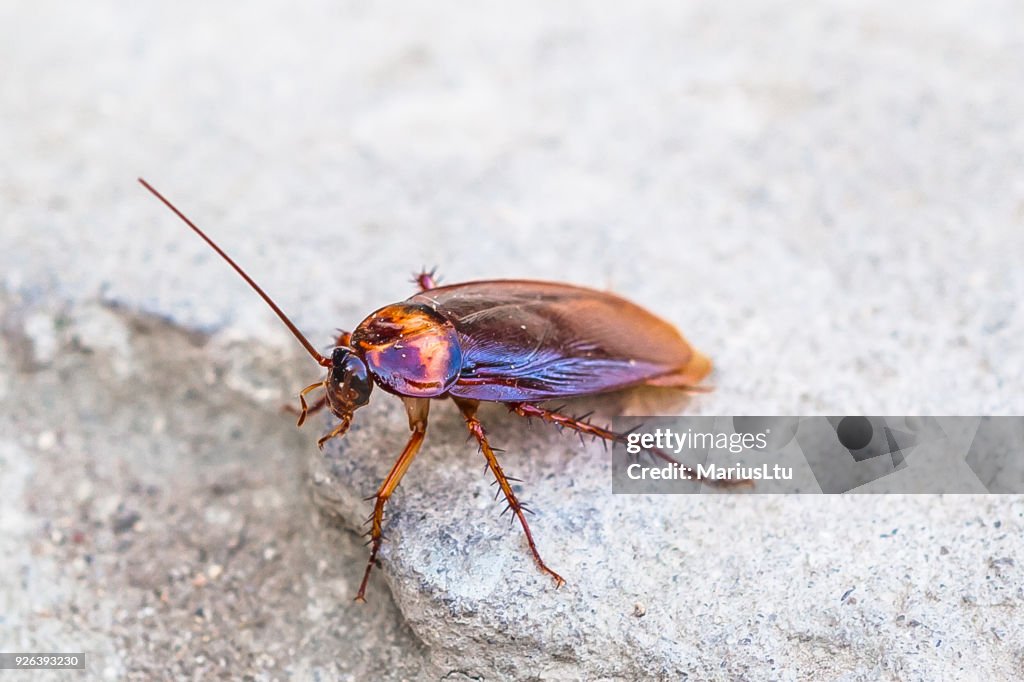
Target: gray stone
<point>824,198</point>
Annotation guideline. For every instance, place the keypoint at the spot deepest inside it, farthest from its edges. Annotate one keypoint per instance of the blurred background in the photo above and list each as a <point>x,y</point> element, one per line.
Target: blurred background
<point>826,198</point>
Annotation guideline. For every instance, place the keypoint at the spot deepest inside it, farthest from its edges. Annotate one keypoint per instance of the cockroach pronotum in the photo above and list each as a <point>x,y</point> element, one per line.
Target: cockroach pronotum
<point>515,342</point>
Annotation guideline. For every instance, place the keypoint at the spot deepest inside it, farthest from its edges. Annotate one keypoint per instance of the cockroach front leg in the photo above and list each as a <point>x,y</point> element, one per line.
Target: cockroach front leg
<point>338,430</point>
<point>468,409</point>
<point>417,409</point>
<point>306,410</point>
<point>582,426</point>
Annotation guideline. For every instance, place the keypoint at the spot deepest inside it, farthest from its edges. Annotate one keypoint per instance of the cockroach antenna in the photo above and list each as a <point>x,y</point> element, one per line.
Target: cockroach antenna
<point>326,362</point>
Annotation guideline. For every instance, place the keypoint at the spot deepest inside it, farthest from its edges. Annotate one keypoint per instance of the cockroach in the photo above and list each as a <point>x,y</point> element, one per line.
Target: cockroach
<point>520,343</point>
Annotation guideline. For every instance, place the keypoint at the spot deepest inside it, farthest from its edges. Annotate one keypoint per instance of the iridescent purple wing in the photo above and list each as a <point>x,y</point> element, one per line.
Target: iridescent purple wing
<point>531,341</point>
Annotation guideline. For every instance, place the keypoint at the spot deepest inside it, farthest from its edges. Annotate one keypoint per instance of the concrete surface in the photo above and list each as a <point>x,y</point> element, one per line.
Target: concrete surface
<point>826,199</point>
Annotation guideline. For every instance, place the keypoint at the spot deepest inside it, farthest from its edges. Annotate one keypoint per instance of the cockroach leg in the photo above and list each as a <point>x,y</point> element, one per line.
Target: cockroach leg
<point>584,427</point>
<point>580,425</point>
<point>318,405</point>
<point>468,409</point>
<point>426,279</point>
<point>417,409</point>
<point>305,409</point>
<point>338,430</point>
<point>386,489</point>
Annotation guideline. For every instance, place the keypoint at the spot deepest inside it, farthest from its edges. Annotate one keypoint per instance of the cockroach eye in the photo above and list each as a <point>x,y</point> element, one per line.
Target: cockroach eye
<point>350,381</point>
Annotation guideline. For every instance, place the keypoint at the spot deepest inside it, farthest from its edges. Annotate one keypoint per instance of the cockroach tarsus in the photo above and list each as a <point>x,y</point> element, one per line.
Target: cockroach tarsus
<point>516,342</point>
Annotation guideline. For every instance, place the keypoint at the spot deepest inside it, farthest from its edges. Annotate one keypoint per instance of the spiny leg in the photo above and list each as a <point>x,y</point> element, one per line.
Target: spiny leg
<point>417,409</point>
<point>468,408</point>
<point>582,426</point>
<point>426,280</point>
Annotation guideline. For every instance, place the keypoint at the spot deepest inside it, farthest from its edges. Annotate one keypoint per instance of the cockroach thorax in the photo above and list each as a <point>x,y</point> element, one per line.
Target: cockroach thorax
<point>411,349</point>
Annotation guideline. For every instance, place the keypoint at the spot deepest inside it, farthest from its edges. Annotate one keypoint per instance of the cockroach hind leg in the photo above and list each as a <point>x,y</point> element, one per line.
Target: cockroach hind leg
<point>581,425</point>
<point>562,421</point>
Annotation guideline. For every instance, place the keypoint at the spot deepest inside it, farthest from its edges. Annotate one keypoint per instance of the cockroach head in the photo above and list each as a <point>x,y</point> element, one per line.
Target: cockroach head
<point>349,383</point>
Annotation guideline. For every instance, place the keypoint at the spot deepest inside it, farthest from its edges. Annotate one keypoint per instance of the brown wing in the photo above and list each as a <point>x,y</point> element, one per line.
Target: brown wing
<point>530,341</point>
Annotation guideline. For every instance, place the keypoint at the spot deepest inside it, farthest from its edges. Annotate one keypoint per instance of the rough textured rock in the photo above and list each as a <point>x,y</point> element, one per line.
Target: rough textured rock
<point>825,199</point>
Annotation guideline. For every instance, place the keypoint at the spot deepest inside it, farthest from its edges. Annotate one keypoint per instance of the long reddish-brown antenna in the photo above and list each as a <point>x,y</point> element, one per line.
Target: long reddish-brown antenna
<point>284,318</point>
